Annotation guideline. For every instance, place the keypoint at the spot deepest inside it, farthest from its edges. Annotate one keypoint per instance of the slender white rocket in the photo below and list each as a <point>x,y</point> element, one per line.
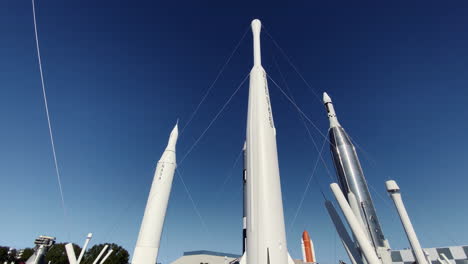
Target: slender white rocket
<point>147,246</point>
<point>266,236</point>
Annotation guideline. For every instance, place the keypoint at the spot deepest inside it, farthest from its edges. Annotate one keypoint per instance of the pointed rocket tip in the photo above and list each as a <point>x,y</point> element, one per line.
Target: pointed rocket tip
<point>305,235</point>
<point>326,98</point>
<point>173,137</point>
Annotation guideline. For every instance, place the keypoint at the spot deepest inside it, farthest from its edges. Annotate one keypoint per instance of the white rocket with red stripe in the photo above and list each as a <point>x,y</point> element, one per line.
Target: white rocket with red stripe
<point>308,252</point>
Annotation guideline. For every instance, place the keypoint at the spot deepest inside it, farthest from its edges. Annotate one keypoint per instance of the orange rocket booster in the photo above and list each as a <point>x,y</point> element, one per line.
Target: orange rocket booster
<point>307,248</point>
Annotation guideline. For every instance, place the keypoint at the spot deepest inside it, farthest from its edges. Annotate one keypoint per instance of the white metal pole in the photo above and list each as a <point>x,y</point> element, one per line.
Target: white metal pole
<point>70,253</point>
<point>394,191</point>
<point>39,252</point>
<point>83,250</point>
<point>348,243</point>
<point>100,254</point>
<point>107,255</point>
<point>353,203</point>
<point>367,249</point>
<point>445,258</point>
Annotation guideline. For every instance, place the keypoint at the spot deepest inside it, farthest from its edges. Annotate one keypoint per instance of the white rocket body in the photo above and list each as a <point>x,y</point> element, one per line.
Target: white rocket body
<point>266,236</point>
<point>147,246</point>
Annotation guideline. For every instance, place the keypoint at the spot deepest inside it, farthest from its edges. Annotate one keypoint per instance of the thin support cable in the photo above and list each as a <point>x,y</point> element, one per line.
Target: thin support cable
<point>304,194</point>
<point>214,82</point>
<point>48,115</point>
<point>292,65</point>
<point>366,155</point>
<point>117,224</point>
<point>213,120</point>
<point>321,190</point>
<point>302,118</point>
<point>229,175</point>
<point>191,200</point>
<point>298,109</point>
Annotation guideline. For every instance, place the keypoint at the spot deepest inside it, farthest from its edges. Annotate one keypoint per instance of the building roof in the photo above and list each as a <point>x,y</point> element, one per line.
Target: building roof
<point>212,253</point>
<point>455,254</point>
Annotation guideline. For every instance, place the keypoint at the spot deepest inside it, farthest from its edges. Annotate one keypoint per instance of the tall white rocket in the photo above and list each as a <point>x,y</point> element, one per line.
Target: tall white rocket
<point>147,246</point>
<point>266,236</point>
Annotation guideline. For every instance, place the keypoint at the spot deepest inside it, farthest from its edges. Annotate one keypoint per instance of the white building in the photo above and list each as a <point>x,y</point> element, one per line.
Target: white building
<point>206,257</point>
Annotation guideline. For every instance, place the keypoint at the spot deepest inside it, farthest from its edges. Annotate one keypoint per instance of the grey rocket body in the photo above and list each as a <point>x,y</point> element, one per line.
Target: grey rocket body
<point>351,177</point>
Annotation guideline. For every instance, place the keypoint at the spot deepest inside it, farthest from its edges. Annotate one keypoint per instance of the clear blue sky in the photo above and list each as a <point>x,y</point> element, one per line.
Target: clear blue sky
<point>119,74</point>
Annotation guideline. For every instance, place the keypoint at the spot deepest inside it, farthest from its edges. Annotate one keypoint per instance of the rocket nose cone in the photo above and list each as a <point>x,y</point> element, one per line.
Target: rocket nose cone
<point>256,25</point>
<point>305,235</point>
<point>173,138</point>
<point>326,98</point>
<point>175,130</point>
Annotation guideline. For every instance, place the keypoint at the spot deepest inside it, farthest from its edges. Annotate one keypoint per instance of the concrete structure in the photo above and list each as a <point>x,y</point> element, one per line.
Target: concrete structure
<point>43,244</point>
<point>206,257</point>
<point>455,255</point>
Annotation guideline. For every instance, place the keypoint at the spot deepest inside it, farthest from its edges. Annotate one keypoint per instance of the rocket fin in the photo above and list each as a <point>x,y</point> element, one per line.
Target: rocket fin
<point>243,259</point>
<point>290,259</point>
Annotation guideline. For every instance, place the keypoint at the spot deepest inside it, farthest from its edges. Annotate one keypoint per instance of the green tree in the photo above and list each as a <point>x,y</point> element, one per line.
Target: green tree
<point>119,254</point>
<point>27,253</point>
<point>58,255</point>
<point>4,254</point>
<point>12,256</point>
<point>7,255</point>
